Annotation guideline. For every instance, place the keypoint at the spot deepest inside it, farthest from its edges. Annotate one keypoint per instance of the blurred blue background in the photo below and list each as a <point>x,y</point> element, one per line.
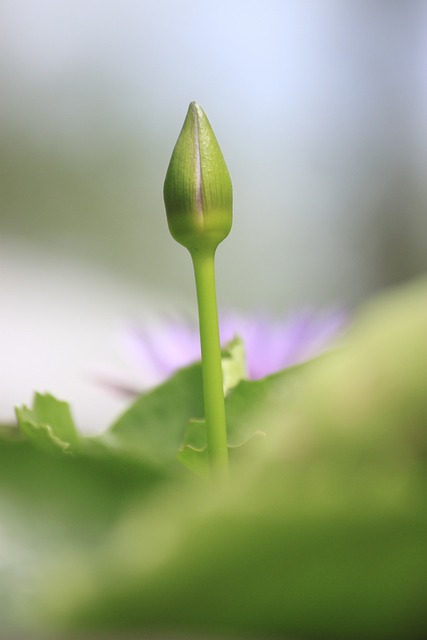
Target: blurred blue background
<point>320,110</point>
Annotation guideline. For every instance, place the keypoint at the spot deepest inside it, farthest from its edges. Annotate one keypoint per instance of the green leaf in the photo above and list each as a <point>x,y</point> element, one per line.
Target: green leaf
<point>233,364</point>
<point>246,427</point>
<point>194,453</point>
<point>196,435</point>
<point>246,402</point>
<point>54,504</point>
<point>325,536</point>
<point>49,424</point>
<point>79,491</point>
<point>157,423</point>
<point>290,555</point>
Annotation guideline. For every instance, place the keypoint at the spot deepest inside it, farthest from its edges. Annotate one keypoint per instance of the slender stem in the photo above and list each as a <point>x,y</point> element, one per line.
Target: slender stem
<point>213,394</point>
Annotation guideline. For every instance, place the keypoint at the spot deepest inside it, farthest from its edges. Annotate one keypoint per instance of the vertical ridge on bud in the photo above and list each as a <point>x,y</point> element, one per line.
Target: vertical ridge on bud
<point>197,191</point>
<point>199,196</point>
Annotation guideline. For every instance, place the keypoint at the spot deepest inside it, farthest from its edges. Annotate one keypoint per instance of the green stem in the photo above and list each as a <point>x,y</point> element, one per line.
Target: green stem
<point>213,394</point>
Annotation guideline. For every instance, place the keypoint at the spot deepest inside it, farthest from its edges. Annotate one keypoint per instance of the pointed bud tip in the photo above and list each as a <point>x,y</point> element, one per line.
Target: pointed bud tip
<point>197,190</point>
<point>196,108</point>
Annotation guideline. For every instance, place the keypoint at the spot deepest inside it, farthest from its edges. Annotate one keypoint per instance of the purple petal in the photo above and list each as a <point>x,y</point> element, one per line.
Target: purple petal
<point>270,344</point>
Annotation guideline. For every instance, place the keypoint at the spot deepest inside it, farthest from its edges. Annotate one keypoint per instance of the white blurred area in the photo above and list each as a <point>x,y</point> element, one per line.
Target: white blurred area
<point>319,107</point>
<point>64,331</point>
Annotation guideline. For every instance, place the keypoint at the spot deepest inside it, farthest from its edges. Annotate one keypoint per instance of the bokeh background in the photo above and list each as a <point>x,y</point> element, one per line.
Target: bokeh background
<point>319,107</point>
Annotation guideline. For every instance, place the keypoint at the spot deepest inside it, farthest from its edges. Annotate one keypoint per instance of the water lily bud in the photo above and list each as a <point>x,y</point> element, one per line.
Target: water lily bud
<point>197,191</point>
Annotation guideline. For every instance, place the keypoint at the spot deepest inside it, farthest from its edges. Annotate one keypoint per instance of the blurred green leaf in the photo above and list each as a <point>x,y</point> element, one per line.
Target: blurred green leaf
<point>194,452</point>
<point>157,423</point>
<point>80,491</point>
<point>51,503</point>
<point>244,434</point>
<point>49,424</point>
<point>245,400</point>
<point>325,536</point>
<point>233,364</point>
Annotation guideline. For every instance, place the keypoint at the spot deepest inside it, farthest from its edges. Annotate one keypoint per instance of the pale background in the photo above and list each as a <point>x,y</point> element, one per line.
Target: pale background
<point>319,107</point>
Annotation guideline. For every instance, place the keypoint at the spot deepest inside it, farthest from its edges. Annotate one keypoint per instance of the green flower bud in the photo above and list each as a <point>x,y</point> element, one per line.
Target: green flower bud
<point>197,191</point>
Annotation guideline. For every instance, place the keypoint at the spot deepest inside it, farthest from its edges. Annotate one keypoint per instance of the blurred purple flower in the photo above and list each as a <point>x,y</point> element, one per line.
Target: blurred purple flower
<point>270,345</point>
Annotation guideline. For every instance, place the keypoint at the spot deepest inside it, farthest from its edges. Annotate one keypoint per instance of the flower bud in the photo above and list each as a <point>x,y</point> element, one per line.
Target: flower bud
<point>197,191</point>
